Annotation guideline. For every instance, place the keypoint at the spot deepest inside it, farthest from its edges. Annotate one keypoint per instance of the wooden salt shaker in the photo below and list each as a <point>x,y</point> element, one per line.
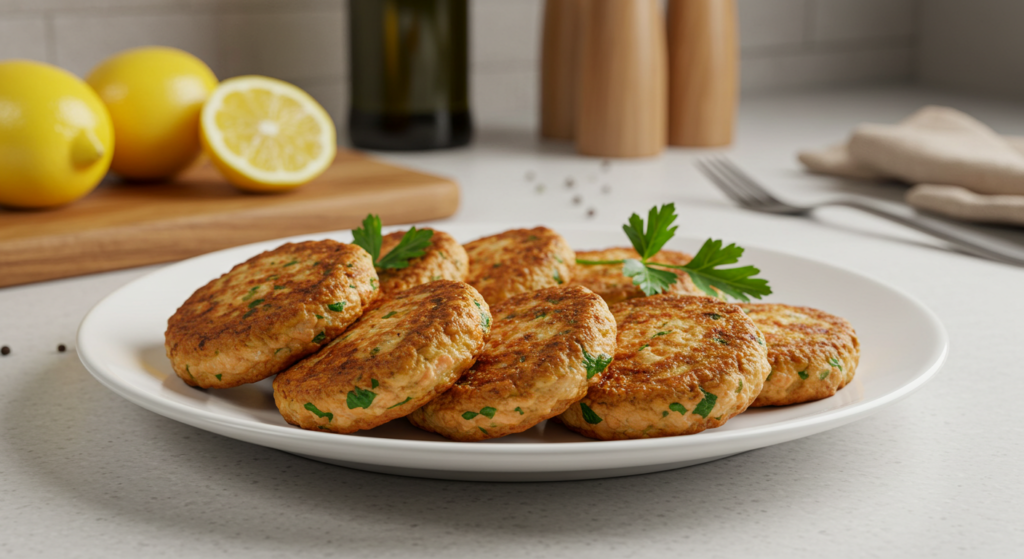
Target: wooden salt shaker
<point>622,88</point>
<point>559,50</point>
<point>703,54</point>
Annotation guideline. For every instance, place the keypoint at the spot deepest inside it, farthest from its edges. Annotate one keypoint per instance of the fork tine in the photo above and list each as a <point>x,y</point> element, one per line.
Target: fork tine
<point>722,182</point>
<point>745,181</point>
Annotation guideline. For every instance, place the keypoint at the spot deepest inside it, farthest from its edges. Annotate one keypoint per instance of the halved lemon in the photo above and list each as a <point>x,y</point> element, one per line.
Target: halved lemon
<point>265,134</point>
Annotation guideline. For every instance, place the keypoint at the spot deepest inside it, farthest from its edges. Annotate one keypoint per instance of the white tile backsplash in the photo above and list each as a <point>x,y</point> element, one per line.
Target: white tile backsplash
<point>23,36</point>
<point>769,23</point>
<point>849,20</point>
<point>786,44</point>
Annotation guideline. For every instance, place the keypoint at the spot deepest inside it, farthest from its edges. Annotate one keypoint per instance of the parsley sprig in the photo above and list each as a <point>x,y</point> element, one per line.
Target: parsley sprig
<point>706,269</point>
<point>413,244</point>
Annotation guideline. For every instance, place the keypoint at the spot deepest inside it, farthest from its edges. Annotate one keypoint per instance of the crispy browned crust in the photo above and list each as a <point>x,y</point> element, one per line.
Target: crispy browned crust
<point>673,351</point>
<point>518,261</point>
<point>608,281</point>
<point>268,312</point>
<point>804,342</point>
<point>444,259</point>
<point>403,353</point>
<point>532,368</point>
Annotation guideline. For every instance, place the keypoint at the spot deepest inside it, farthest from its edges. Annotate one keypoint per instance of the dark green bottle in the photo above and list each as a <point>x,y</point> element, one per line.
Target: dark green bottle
<point>409,62</point>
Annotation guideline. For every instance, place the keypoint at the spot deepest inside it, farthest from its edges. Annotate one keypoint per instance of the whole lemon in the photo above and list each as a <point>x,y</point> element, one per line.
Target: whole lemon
<point>56,138</point>
<point>154,95</point>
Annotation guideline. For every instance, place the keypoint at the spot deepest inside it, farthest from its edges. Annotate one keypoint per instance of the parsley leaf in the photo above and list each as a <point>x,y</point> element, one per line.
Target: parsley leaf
<point>309,406</point>
<point>834,361</point>
<point>677,407</point>
<point>360,398</point>
<point>705,269</point>
<point>595,363</point>
<point>650,280</point>
<point>414,244</point>
<point>488,412</point>
<point>705,406</point>
<point>400,403</point>
<point>659,230</point>
<point>589,416</point>
<point>337,307</point>
<point>706,272</point>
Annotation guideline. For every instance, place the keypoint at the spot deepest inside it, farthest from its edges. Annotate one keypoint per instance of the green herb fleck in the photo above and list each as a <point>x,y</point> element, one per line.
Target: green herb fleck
<point>719,418</point>
<point>488,411</point>
<point>318,316</point>
<point>520,410</point>
<point>255,303</point>
<point>770,374</point>
<point>677,407</point>
<point>351,286</point>
<point>400,403</point>
<point>320,337</point>
<point>337,307</point>
<point>659,334</point>
<point>558,278</point>
<point>218,376</point>
<point>277,287</point>
<point>374,383</point>
<point>824,374</point>
<point>374,352</point>
<point>722,341</point>
<point>760,340</point>
<point>390,314</point>
<point>360,398</point>
<point>189,373</point>
<point>643,347</point>
<point>533,238</point>
<point>834,361</point>
<point>706,405</point>
<point>595,363</point>
<point>309,406</point>
<point>589,416</point>
<point>373,284</point>
<point>803,374</point>
<point>740,387</point>
<point>246,315</point>
<point>714,316</point>
<point>469,415</point>
<point>496,265</point>
<point>541,314</point>
<point>559,259</point>
<point>290,263</point>
<point>484,430</point>
<point>279,350</point>
<point>251,293</point>
<point>664,414</point>
<point>273,277</point>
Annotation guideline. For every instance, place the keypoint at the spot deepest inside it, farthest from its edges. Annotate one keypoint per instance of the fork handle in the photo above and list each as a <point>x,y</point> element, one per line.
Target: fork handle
<point>979,245</point>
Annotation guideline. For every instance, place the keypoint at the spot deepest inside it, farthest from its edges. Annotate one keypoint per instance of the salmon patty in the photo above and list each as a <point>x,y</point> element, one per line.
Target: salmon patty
<point>683,364</point>
<point>519,261</point>
<point>813,354</point>
<point>396,358</point>
<point>268,312</point>
<point>546,347</point>
<point>444,259</point>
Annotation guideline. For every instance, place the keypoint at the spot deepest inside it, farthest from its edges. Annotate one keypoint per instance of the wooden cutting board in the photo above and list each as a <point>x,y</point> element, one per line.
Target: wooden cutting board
<point>125,225</point>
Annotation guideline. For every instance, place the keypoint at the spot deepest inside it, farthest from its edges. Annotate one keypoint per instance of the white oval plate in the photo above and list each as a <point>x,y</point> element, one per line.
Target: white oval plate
<point>121,342</point>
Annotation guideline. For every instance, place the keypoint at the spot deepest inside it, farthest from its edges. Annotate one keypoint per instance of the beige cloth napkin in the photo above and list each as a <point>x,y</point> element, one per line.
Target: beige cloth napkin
<point>961,168</point>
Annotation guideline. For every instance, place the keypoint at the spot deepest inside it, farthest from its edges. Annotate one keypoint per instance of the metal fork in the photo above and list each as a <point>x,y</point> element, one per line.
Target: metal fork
<point>746,192</point>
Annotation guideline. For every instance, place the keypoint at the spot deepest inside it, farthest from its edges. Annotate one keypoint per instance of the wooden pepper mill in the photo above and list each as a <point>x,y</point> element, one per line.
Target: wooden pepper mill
<point>703,55</point>
<point>559,50</point>
<point>623,85</point>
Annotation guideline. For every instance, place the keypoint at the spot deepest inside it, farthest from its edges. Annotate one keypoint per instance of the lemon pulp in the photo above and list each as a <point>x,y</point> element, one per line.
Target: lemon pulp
<point>266,134</point>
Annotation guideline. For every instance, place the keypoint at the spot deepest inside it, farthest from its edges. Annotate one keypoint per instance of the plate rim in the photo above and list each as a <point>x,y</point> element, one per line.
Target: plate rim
<point>712,438</point>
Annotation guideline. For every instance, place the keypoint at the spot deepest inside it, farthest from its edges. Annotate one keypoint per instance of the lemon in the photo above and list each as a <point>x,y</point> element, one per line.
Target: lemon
<point>56,138</point>
<point>266,134</point>
<point>154,95</point>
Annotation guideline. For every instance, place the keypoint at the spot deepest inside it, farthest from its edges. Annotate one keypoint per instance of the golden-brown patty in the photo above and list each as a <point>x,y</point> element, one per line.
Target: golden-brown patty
<point>683,364</point>
<point>545,348</point>
<point>268,312</point>
<point>393,360</point>
<point>444,259</point>
<point>608,281</point>
<point>813,354</point>
<point>518,261</point>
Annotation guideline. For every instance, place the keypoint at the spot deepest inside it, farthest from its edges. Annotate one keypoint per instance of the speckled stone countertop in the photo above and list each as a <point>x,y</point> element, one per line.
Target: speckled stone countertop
<point>85,473</point>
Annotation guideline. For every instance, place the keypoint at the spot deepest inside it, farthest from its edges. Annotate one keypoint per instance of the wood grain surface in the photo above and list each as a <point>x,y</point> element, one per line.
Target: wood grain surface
<point>558,68</point>
<point>125,225</point>
<point>623,80</point>
<point>703,54</point>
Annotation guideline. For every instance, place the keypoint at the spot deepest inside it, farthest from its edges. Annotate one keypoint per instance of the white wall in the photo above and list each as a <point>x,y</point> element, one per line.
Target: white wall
<point>787,44</point>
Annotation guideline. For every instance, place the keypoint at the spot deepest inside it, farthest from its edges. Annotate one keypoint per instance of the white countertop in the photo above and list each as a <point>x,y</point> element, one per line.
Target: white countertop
<point>86,473</point>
